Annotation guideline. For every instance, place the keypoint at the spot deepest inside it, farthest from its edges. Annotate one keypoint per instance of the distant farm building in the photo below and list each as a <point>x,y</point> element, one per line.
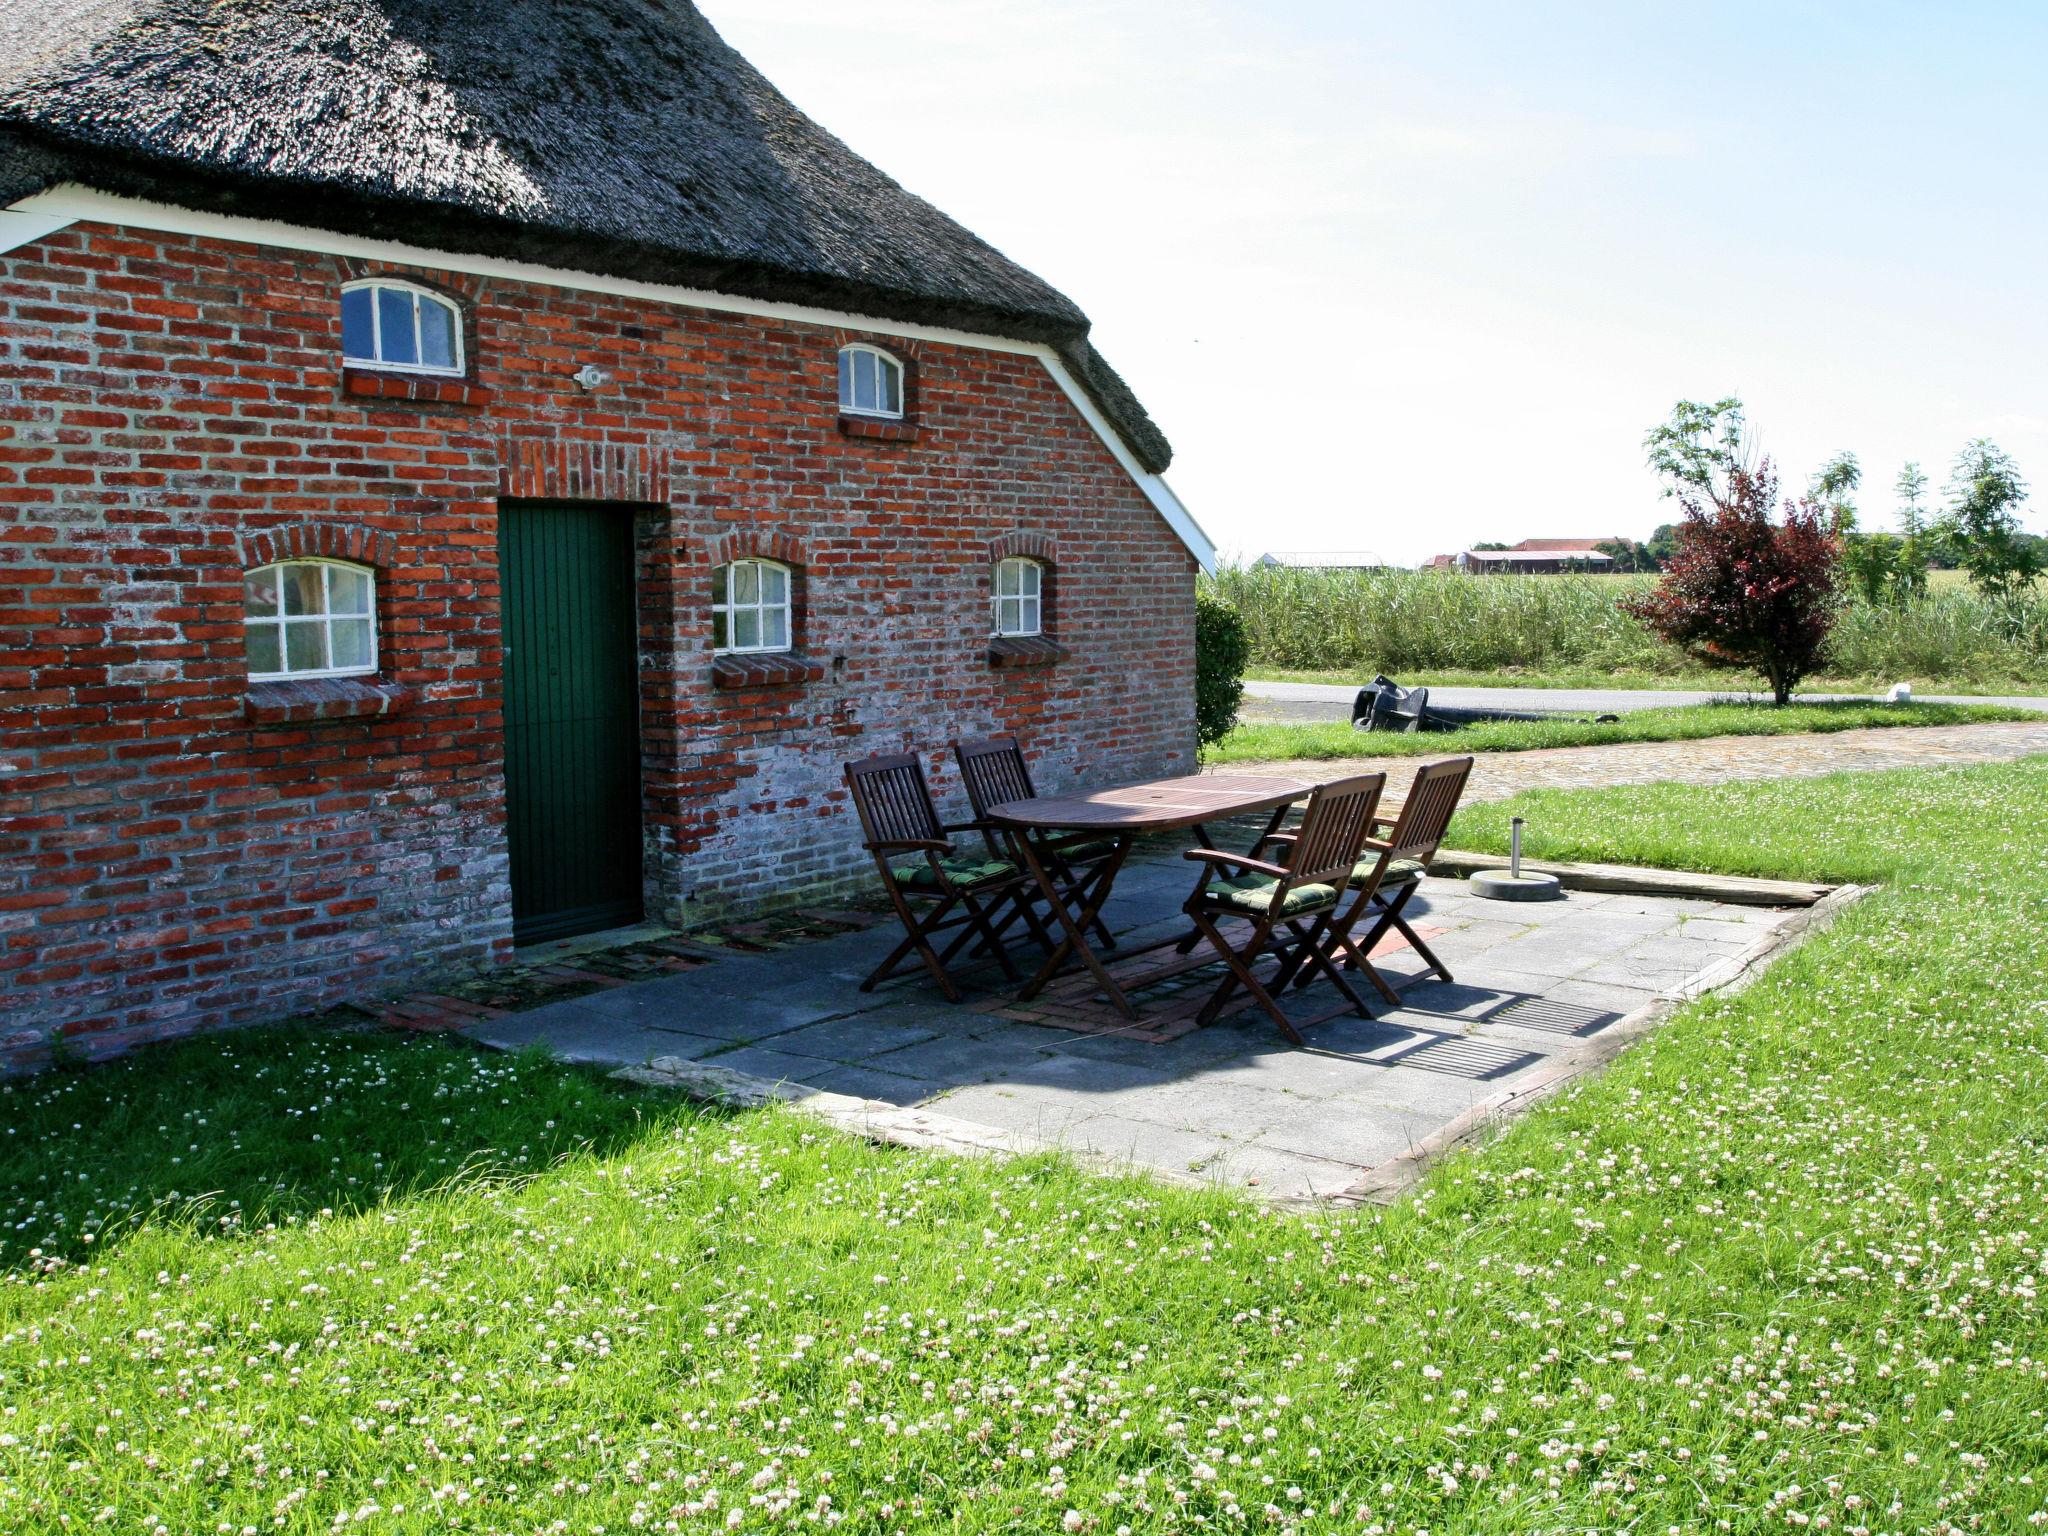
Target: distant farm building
<point>1530,557</point>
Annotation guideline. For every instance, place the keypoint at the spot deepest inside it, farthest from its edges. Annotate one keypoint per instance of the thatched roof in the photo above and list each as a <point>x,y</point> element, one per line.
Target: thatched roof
<point>621,137</point>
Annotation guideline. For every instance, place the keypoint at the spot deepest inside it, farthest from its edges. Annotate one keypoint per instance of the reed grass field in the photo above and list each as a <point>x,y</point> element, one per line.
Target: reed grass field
<point>1410,624</point>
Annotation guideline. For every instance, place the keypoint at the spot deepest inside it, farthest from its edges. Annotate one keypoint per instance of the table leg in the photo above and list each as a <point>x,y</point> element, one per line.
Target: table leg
<point>1076,941</point>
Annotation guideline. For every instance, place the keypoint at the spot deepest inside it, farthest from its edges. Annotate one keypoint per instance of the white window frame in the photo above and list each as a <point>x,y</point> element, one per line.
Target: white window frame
<point>325,617</point>
<point>883,360</point>
<point>1029,598</point>
<point>419,294</point>
<point>786,609</point>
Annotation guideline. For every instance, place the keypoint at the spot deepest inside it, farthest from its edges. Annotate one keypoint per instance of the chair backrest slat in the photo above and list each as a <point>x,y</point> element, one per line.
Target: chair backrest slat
<point>1333,830</point>
<point>892,799</point>
<point>1426,813</point>
<point>994,772</point>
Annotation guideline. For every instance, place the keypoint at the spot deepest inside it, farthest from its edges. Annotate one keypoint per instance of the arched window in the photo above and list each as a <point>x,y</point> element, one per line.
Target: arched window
<point>750,606</point>
<point>870,381</point>
<point>309,618</point>
<point>1019,587</point>
<point>386,324</point>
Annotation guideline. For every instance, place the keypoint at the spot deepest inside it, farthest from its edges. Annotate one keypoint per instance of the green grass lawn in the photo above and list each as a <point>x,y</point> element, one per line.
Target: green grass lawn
<point>2018,682</point>
<point>1256,741</point>
<point>1779,1268</point>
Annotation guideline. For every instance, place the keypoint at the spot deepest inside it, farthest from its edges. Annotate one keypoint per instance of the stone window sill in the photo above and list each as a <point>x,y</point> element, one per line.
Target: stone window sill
<point>1025,651</point>
<point>324,698</point>
<point>424,389</point>
<point>879,429</point>
<point>764,669</point>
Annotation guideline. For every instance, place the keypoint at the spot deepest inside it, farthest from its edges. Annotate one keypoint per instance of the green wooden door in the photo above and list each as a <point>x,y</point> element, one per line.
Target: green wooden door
<point>572,718</point>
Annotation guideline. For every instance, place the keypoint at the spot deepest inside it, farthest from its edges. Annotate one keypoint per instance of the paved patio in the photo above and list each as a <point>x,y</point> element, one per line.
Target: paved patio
<point>1232,1102</point>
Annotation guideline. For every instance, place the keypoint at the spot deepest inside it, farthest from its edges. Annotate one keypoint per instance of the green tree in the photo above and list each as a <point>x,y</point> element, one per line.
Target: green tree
<point>1698,447</point>
<point>1629,557</point>
<point>1833,488</point>
<point>1222,651</point>
<point>1981,525</point>
<point>1883,567</point>
<point>1663,544</point>
<point>1910,487</point>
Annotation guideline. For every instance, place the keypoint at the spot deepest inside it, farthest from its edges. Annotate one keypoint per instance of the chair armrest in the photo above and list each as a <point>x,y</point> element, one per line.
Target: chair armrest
<point>1377,845</point>
<point>966,826</point>
<point>908,845</point>
<point>1236,860</point>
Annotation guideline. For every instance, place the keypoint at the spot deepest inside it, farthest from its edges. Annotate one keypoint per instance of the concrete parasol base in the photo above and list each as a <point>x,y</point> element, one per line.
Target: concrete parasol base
<point>1499,885</point>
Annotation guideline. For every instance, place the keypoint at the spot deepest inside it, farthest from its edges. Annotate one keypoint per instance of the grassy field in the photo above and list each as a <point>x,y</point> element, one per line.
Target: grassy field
<point>1780,1267</point>
<point>1261,742</point>
<point>1431,627</point>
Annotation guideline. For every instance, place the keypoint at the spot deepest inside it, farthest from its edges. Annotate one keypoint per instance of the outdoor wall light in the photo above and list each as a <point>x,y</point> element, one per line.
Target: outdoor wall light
<point>590,376</point>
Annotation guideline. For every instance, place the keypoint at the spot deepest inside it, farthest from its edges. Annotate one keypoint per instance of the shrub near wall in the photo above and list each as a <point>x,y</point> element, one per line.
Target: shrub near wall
<point>1419,621</point>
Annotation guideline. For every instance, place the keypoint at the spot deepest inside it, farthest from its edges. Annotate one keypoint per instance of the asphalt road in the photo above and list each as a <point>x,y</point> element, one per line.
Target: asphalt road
<point>1311,702</point>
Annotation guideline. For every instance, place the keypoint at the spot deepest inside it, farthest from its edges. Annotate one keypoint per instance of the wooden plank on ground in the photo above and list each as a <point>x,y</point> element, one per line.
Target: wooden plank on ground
<point>1625,879</point>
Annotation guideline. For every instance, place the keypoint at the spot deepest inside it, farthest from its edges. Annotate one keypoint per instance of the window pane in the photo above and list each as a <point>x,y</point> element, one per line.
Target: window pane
<point>718,586</point>
<point>846,380</point>
<point>718,629</point>
<point>774,584</point>
<point>302,589</point>
<point>864,381</point>
<point>1027,616</point>
<point>357,339</point>
<point>746,582</point>
<point>1006,616</point>
<point>1027,578</point>
<point>305,647</point>
<point>892,387</point>
<point>394,315</point>
<point>746,629</point>
<point>437,334</point>
<point>775,629</point>
<point>348,590</point>
<point>1006,578</point>
<point>259,593</point>
<point>263,648</point>
<point>351,641</point>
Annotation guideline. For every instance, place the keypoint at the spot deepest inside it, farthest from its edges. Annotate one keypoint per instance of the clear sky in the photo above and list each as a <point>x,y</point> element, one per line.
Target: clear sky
<point>1404,276</point>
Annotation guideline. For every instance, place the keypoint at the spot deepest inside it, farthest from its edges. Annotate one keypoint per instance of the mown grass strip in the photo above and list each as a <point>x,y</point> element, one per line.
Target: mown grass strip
<point>1256,741</point>
<point>1782,1265</point>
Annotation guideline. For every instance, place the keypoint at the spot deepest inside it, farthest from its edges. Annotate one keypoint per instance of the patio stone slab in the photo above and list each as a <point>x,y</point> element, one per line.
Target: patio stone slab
<point>1538,988</point>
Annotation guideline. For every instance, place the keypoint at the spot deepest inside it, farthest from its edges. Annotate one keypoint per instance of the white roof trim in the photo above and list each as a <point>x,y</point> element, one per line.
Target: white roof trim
<point>46,212</point>
<point>18,226</point>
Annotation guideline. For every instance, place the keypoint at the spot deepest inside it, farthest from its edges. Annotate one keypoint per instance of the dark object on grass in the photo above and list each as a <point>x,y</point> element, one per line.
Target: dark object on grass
<point>1384,705</point>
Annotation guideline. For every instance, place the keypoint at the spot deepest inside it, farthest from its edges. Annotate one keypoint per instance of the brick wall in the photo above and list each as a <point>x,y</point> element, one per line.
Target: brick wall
<point>175,855</point>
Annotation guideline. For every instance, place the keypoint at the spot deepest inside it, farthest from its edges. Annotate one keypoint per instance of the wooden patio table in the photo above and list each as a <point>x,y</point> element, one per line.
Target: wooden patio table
<point>1121,815</point>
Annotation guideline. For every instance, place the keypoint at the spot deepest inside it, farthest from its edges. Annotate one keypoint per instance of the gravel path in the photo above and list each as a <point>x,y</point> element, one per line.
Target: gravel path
<point>1719,758</point>
<point>1308,703</point>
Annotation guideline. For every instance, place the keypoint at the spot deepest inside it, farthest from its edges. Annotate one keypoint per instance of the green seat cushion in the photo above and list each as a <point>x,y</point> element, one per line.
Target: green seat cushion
<point>1253,895</point>
<point>1083,849</point>
<point>959,868</point>
<point>1399,871</point>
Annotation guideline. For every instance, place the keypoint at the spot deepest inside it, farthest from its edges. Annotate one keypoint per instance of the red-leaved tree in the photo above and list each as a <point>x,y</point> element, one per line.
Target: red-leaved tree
<point>1744,591</point>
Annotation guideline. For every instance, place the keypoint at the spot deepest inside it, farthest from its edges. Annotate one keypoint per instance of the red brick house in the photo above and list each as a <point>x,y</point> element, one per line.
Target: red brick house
<point>472,474</point>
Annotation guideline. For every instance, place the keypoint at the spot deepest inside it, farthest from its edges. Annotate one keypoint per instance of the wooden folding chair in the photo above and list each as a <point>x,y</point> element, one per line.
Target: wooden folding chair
<point>995,773</point>
<point>1309,888</point>
<point>919,867</point>
<point>1386,877</point>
